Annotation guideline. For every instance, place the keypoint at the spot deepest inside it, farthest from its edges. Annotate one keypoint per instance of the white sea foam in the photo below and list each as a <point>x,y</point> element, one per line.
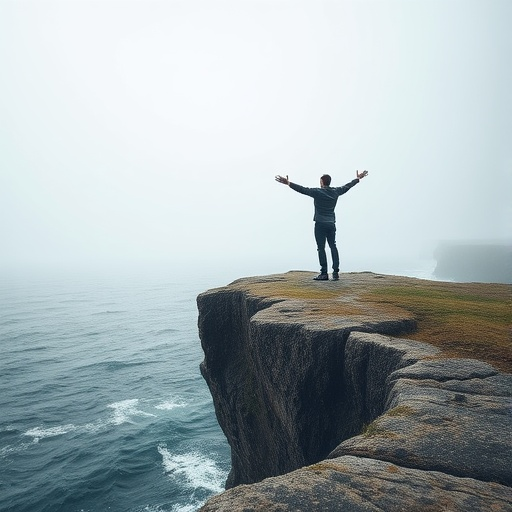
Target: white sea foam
<point>171,404</point>
<point>192,507</point>
<point>151,508</point>
<point>124,410</point>
<point>88,428</point>
<point>6,450</point>
<point>41,433</point>
<point>12,449</point>
<point>195,468</point>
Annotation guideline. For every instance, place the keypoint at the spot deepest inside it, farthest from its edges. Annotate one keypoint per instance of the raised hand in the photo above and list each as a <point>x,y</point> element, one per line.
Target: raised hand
<point>361,175</point>
<point>282,179</point>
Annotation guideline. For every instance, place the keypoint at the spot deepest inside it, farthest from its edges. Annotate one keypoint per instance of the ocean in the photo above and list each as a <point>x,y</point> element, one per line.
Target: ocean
<point>102,405</point>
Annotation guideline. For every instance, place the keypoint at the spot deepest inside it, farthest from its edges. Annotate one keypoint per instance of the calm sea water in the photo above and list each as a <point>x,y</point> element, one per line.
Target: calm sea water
<point>102,406</point>
<point>102,403</point>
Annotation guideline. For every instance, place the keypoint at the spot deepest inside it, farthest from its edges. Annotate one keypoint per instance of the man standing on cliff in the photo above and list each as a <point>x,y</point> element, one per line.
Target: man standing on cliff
<point>325,199</point>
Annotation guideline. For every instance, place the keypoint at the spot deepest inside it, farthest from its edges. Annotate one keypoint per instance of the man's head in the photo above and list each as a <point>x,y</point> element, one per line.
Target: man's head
<point>325,180</point>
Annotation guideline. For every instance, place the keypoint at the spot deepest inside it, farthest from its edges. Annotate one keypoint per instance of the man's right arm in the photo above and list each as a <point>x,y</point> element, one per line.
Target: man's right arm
<point>298,188</point>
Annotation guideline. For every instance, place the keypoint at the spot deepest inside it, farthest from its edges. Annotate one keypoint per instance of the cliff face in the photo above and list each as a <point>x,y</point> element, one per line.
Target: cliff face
<point>313,384</point>
<point>466,261</point>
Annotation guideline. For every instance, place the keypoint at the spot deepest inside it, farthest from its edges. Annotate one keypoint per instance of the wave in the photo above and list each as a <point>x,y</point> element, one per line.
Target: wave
<point>115,365</point>
<point>162,332</point>
<point>13,449</point>
<point>122,412</point>
<point>189,507</point>
<point>41,433</point>
<point>108,312</point>
<point>11,321</point>
<point>7,429</point>
<point>23,350</point>
<point>71,301</point>
<point>154,508</point>
<point>168,405</point>
<point>192,507</point>
<point>194,469</point>
<point>92,333</point>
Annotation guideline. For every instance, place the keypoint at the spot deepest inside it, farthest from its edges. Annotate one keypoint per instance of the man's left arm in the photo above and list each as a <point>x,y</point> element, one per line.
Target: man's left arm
<point>348,186</point>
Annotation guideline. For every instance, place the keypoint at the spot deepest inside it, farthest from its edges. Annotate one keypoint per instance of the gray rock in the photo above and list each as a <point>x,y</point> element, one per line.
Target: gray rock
<point>358,484</point>
<point>275,371</point>
<point>496,385</point>
<point>463,434</point>
<point>350,416</point>
<point>446,369</point>
<point>369,361</point>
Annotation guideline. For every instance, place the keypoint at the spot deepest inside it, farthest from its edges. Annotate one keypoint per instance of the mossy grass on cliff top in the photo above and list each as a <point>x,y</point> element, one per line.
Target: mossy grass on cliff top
<point>471,320</point>
<point>292,290</point>
<point>475,322</point>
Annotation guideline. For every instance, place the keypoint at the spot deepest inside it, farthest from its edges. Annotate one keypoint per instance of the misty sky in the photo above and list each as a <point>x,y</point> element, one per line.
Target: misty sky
<point>151,131</point>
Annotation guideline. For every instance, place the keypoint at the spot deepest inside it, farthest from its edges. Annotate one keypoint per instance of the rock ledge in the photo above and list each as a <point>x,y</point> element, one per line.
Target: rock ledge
<point>326,408</point>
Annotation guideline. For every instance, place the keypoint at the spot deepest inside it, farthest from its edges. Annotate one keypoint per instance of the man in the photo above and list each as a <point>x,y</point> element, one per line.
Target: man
<point>325,198</point>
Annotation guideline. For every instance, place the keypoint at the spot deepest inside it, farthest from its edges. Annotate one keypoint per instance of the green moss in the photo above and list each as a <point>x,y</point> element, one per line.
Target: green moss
<point>462,319</point>
<point>473,323</point>
<point>373,429</point>
<point>326,466</point>
<point>400,410</point>
<point>291,290</point>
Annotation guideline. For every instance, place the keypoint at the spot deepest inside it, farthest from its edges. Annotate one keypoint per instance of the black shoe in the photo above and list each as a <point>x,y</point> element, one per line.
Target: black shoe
<point>335,276</point>
<point>321,277</point>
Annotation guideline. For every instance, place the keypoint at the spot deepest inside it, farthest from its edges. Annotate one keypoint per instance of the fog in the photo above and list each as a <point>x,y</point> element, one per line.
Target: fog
<point>149,132</point>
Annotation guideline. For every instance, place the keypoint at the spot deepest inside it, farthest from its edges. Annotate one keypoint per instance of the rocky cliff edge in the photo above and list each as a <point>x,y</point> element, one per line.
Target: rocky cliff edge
<point>330,400</point>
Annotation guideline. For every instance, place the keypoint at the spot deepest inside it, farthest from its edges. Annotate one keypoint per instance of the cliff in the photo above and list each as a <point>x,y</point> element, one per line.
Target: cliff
<point>474,261</point>
<point>331,399</point>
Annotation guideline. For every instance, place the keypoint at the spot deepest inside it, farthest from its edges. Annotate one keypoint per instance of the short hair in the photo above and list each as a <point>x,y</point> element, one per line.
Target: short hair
<point>326,179</point>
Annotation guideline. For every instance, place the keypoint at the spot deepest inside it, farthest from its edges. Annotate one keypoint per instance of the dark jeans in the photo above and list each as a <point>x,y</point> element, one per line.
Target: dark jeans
<point>327,231</point>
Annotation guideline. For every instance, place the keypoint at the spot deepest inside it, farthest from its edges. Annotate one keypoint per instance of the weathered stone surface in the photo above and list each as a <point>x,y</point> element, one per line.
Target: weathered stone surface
<point>295,383</point>
<point>369,361</point>
<point>446,369</point>
<point>450,430</point>
<point>357,484</point>
<point>275,370</point>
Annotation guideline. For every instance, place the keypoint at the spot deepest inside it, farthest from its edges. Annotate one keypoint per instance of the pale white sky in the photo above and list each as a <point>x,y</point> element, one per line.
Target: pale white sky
<point>151,131</point>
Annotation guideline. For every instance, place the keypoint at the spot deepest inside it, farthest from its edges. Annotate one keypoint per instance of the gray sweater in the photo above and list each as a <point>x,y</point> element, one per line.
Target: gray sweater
<point>325,199</point>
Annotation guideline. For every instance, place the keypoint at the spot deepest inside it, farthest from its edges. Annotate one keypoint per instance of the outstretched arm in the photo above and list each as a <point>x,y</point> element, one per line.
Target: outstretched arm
<point>348,186</point>
<point>283,180</point>
<point>294,186</point>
